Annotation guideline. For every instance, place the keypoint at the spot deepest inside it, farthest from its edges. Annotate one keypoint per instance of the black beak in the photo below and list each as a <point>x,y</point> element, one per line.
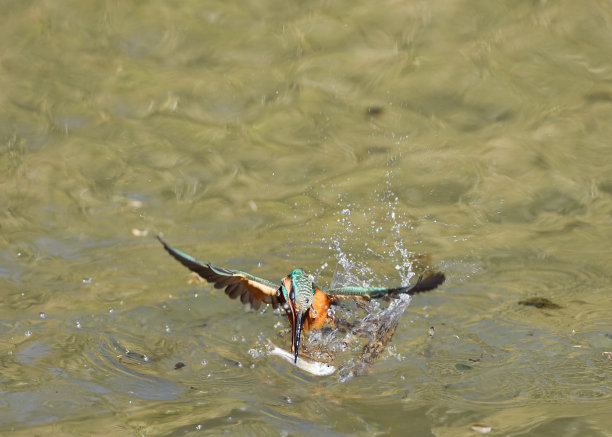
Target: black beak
<point>297,329</point>
<point>295,316</point>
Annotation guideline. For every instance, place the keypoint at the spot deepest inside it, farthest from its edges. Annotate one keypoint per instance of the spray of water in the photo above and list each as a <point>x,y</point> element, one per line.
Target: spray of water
<point>367,233</point>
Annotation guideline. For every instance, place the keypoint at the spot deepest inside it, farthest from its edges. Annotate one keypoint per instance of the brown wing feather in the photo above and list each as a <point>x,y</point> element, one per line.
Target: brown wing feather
<point>249,288</point>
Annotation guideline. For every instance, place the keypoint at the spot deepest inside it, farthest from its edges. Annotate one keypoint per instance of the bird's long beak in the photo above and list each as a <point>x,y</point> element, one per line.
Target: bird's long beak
<point>295,337</point>
<point>295,316</point>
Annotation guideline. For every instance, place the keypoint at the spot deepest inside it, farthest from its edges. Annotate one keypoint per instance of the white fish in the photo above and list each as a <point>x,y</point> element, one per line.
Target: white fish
<point>310,366</point>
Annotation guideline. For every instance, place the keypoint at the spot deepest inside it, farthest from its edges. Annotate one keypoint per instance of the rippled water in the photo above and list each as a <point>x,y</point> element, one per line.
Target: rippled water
<point>264,136</point>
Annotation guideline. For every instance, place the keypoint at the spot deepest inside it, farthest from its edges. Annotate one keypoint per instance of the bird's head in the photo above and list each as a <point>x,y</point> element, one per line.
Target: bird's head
<point>297,291</point>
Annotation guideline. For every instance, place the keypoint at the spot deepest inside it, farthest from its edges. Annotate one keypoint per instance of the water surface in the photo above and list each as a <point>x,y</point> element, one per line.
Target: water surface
<point>265,136</point>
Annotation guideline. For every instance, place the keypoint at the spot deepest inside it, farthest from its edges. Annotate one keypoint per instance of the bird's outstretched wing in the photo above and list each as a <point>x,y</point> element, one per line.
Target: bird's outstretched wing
<point>251,289</point>
<point>422,285</point>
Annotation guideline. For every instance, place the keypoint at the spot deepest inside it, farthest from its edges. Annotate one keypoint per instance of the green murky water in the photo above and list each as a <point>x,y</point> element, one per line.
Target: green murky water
<point>270,135</point>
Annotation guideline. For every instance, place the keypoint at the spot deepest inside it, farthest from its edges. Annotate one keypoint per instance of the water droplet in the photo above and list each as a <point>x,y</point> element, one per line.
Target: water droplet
<point>42,315</point>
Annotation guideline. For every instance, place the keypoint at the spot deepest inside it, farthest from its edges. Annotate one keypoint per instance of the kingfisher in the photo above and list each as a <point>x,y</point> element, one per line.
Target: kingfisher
<point>306,304</point>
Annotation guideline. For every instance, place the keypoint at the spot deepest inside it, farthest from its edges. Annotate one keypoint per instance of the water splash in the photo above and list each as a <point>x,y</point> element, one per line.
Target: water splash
<point>365,237</point>
<point>379,230</point>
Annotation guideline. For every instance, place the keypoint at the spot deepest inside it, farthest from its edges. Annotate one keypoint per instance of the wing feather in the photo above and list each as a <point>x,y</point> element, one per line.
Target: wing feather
<point>235,282</point>
<point>246,297</point>
<point>366,293</point>
<point>234,290</point>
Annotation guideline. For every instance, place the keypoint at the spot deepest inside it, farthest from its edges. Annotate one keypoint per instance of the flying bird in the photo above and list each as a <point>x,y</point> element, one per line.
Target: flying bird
<point>306,304</point>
